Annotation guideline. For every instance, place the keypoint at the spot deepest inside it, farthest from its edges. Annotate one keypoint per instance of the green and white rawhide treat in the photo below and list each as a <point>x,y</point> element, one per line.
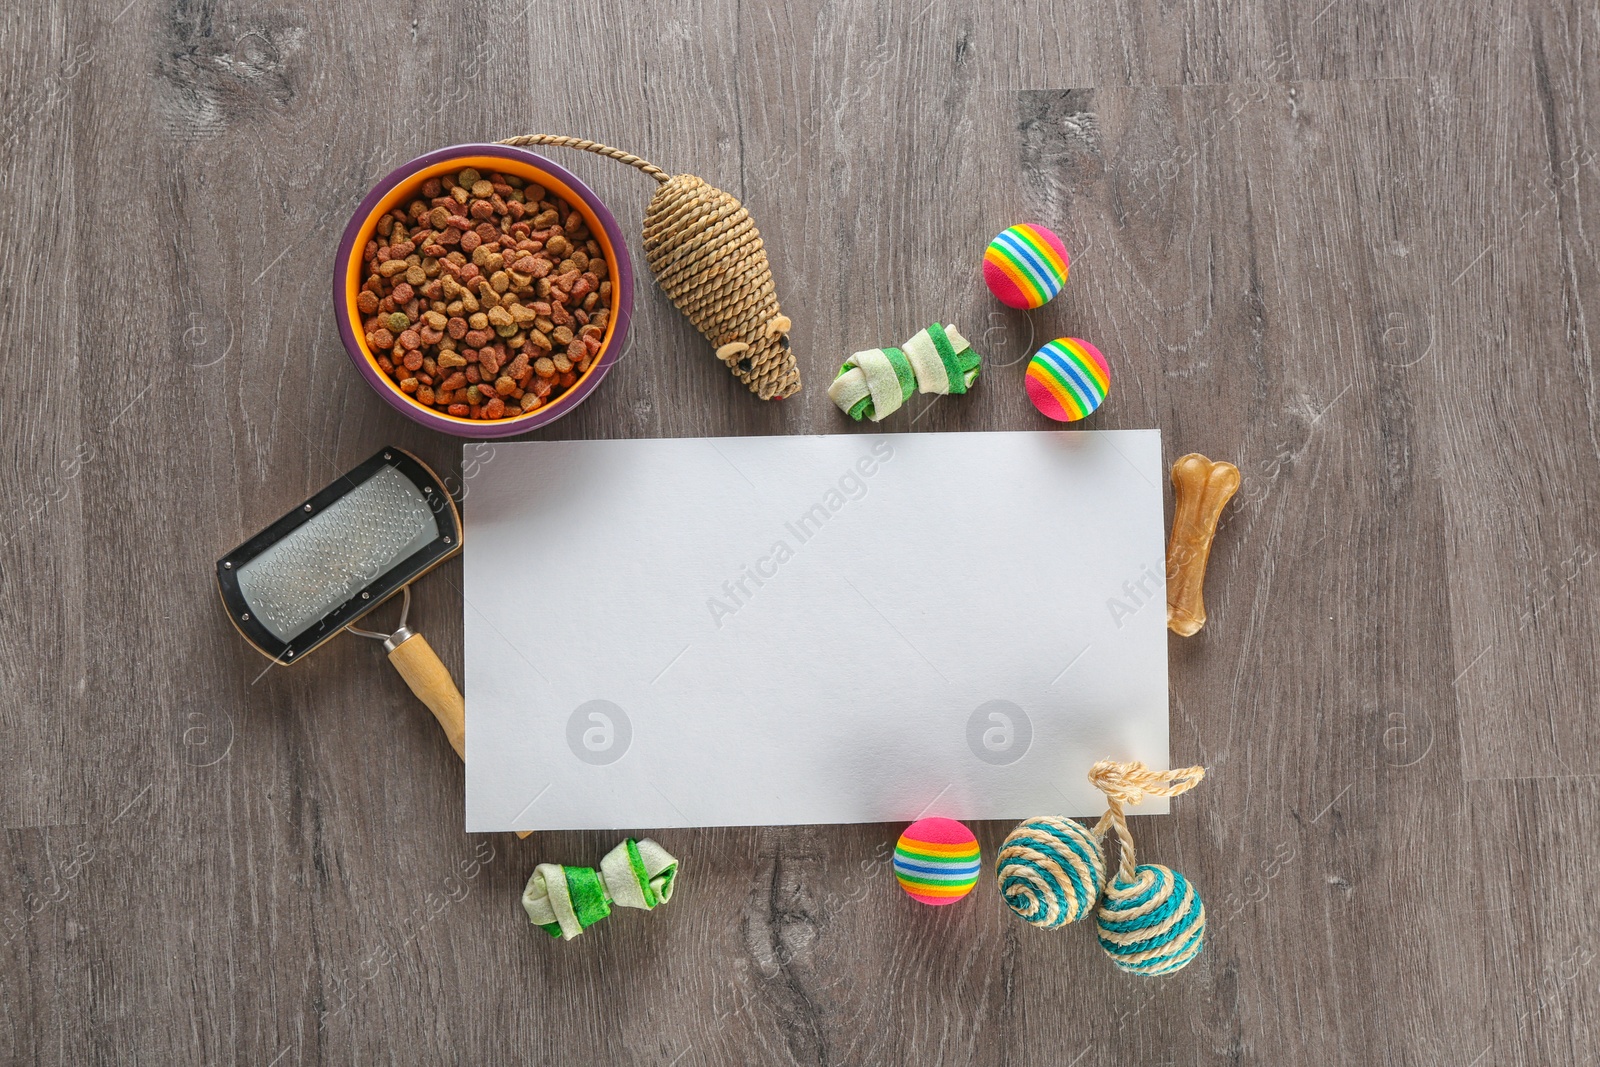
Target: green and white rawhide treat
<point>564,901</point>
<point>876,382</point>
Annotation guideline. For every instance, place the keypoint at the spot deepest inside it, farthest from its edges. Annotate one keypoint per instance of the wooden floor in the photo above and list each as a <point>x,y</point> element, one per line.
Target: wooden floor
<point>1348,244</point>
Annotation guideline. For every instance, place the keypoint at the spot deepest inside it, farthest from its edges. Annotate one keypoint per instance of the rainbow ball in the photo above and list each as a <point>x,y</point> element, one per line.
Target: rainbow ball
<point>936,861</point>
<point>1025,266</point>
<point>1153,923</point>
<point>1067,379</point>
<point>1051,870</point>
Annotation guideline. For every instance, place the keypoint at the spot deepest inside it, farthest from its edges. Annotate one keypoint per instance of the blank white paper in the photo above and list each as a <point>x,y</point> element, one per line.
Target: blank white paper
<point>778,630</point>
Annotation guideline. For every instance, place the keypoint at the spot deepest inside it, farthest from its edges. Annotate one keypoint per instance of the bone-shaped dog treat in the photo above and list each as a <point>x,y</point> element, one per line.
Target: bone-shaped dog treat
<point>1200,489</point>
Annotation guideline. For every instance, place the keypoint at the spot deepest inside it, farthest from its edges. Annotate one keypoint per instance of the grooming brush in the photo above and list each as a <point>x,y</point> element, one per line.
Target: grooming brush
<point>333,559</point>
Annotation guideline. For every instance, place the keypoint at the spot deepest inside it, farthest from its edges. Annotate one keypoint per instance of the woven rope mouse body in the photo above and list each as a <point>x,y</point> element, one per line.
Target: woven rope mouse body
<point>708,257</point>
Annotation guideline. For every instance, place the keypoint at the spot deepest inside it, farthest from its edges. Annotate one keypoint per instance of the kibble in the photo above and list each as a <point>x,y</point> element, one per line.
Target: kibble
<point>479,300</point>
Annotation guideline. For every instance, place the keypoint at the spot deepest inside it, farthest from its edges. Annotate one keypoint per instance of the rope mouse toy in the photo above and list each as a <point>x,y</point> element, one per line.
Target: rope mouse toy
<point>707,256</point>
<point>1052,871</point>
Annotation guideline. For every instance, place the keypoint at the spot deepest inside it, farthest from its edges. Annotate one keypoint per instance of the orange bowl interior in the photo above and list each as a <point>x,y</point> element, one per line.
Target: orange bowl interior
<point>404,193</point>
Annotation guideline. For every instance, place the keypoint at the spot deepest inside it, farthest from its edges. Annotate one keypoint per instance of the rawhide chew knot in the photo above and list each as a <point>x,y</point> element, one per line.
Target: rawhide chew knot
<point>1025,266</point>
<point>1067,379</point>
<point>564,901</point>
<point>707,256</point>
<point>1151,920</point>
<point>877,381</point>
<point>1051,871</point>
<point>1200,490</point>
<point>936,861</point>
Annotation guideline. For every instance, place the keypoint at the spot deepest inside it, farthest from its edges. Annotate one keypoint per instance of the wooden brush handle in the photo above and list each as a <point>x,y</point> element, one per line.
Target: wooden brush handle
<point>420,666</point>
<point>428,677</point>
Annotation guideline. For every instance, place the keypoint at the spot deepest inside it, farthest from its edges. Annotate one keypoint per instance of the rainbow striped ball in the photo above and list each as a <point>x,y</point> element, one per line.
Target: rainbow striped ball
<point>937,861</point>
<point>1153,924</point>
<point>1025,266</point>
<point>1051,870</point>
<point>1067,379</point>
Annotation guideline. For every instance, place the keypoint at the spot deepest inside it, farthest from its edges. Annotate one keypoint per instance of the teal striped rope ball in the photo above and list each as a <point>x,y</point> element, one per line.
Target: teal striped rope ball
<point>1152,924</point>
<point>1051,870</point>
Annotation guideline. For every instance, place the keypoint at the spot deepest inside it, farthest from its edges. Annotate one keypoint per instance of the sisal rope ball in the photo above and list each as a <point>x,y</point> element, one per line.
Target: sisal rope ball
<point>1152,923</point>
<point>1051,870</point>
<point>707,256</point>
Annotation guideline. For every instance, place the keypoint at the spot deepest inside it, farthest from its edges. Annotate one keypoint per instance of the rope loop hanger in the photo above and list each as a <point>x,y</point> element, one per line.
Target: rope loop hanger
<point>1126,784</point>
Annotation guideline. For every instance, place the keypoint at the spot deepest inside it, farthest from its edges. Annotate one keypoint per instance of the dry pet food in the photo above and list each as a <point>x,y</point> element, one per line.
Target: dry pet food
<point>485,297</point>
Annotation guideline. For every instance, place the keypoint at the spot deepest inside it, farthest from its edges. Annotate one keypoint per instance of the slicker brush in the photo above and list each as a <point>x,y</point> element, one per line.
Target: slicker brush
<point>707,256</point>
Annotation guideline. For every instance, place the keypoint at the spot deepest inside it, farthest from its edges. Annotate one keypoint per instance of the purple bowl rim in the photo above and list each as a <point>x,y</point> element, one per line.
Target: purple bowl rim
<point>487,428</point>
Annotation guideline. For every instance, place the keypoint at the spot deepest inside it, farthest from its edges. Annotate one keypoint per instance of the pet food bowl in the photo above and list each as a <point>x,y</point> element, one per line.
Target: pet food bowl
<point>399,188</point>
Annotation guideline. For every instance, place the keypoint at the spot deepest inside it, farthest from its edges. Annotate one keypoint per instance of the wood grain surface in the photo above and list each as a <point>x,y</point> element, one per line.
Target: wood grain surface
<point>1346,244</point>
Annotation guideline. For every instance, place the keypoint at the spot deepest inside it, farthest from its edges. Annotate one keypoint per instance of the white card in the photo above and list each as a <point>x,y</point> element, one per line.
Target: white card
<point>774,630</point>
